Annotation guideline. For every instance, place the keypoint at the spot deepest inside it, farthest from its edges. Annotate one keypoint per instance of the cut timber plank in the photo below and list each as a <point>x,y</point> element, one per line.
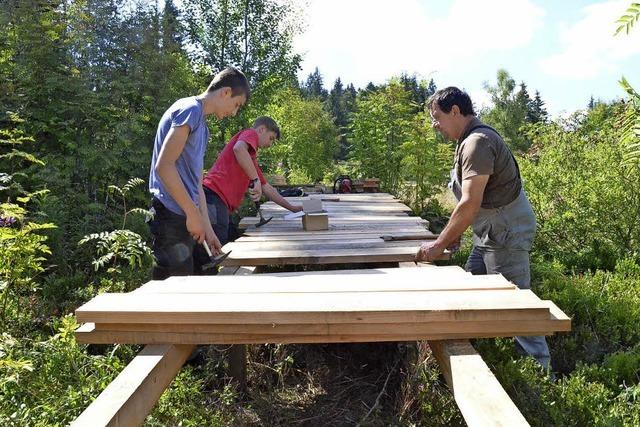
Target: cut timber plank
<point>365,229</point>
<point>454,269</point>
<point>346,307</point>
<point>319,245</point>
<point>308,236</point>
<point>142,337</point>
<point>511,328</point>
<point>479,395</point>
<point>131,396</point>
<point>326,256</point>
<point>408,281</point>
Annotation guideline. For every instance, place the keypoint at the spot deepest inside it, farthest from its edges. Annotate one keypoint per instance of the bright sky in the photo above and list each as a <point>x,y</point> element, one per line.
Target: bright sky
<point>565,49</point>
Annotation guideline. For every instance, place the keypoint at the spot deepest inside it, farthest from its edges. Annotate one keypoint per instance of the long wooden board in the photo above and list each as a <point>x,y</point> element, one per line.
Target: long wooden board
<point>293,308</point>
<point>327,256</point>
<point>331,282</point>
<point>293,231</point>
<point>130,397</point>
<point>479,395</point>
<point>141,337</point>
<point>308,236</point>
<point>320,245</point>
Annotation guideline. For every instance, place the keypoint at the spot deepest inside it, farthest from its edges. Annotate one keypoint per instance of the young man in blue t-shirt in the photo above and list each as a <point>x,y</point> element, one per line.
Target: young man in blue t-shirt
<point>175,180</point>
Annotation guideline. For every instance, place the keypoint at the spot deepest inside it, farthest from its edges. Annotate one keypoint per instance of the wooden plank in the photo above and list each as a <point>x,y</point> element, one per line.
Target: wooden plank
<point>131,396</point>
<point>326,256</point>
<point>143,337</point>
<point>307,236</point>
<point>479,395</point>
<point>357,218</point>
<point>293,231</point>
<point>301,245</point>
<point>360,208</point>
<point>332,282</point>
<point>511,328</point>
<point>345,307</point>
<point>367,271</point>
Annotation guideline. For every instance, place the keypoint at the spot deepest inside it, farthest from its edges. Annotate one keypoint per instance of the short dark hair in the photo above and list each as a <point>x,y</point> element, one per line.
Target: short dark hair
<point>446,98</point>
<point>232,78</point>
<point>269,123</point>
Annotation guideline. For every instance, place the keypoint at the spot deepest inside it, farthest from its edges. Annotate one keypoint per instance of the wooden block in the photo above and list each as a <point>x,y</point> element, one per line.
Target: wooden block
<point>315,221</point>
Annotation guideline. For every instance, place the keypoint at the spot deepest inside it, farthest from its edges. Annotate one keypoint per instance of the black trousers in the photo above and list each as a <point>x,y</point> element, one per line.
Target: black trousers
<point>173,246</point>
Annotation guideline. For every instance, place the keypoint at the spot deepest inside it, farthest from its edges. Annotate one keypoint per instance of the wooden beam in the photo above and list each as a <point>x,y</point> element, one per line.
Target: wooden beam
<point>479,395</point>
<point>131,396</point>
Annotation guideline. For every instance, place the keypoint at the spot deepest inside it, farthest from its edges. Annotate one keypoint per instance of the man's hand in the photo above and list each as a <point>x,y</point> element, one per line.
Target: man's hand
<point>255,192</point>
<point>429,251</point>
<point>212,240</point>
<point>295,208</point>
<point>196,227</point>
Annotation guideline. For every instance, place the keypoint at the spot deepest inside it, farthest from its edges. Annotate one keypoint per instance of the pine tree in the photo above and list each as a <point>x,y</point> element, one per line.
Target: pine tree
<point>314,86</point>
<point>431,89</point>
<point>536,112</point>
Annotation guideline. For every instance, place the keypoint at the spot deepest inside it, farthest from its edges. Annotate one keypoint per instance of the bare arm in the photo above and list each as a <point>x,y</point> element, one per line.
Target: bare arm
<point>210,236</point>
<point>272,194</point>
<point>166,168</point>
<point>241,151</point>
<point>461,218</point>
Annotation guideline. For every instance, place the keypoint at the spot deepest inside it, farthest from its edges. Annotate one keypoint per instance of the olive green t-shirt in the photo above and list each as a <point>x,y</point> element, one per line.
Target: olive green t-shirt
<point>483,152</point>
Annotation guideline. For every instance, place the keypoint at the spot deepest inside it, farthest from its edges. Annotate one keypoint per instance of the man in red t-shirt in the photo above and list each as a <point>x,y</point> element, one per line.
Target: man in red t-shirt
<point>235,169</point>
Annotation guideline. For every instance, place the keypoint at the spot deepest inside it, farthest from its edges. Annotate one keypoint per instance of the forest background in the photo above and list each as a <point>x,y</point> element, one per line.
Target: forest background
<point>83,85</point>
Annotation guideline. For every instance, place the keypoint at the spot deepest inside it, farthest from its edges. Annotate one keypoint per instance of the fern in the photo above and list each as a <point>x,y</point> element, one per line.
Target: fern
<point>129,186</point>
<point>629,19</point>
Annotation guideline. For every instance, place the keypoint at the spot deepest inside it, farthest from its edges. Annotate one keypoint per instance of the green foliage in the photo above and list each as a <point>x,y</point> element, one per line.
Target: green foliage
<point>598,363</point>
<point>116,246</point>
<point>425,163</point>
<point>630,123</point>
<point>512,110</point>
<point>586,199</point>
<point>380,126</point>
<point>122,247</point>
<point>309,138</point>
<point>629,19</point>
<point>51,381</point>
<point>389,141</point>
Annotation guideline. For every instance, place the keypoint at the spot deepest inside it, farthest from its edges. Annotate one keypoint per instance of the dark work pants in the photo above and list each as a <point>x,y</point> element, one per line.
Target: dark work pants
<point>172,244</point>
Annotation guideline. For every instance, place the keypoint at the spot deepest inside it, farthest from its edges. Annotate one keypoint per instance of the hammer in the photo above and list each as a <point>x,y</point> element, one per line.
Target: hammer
<point>262,220</point>
<point>215,260</point>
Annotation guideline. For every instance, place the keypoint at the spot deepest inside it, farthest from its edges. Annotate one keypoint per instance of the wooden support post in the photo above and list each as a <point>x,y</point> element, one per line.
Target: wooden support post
<point>131,396</point>
<point>479,395</point>
<point>238,352</point>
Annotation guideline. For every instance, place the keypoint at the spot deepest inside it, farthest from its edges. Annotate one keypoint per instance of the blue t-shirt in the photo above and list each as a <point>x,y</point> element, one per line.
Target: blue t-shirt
<point>185,111</point>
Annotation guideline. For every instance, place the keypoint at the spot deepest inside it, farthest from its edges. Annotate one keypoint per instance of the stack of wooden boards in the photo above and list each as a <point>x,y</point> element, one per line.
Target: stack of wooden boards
<point>341,306</point>
<point>356,224</point>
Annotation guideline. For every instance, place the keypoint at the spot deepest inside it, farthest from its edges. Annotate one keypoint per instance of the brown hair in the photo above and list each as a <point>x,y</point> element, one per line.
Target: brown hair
<point>232,78</point>
<point>269,123</point>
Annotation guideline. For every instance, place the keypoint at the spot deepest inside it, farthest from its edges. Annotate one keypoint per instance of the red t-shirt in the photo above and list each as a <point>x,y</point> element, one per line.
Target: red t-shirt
<point>226,177</point>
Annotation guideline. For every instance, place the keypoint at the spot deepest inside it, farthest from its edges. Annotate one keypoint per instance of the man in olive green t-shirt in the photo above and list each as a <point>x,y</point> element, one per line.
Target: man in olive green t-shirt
<point>486,182</point>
